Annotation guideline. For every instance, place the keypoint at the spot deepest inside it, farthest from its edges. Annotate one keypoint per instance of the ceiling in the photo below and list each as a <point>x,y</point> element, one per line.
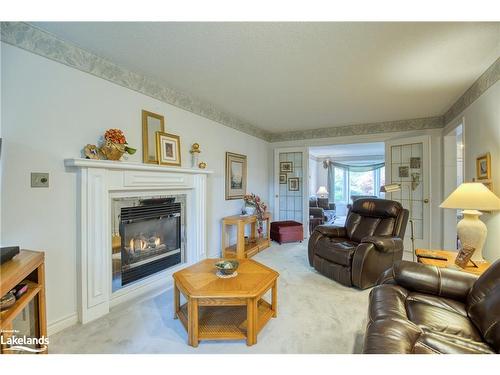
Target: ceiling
<point>357,150</point>
<point>300,76</point>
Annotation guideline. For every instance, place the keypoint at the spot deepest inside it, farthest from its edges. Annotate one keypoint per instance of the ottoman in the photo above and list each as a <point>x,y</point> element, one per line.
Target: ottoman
<point>287,231</point>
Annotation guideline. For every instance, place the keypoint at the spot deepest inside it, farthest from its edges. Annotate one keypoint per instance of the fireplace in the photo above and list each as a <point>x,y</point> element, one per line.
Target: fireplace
<point>148,237</point>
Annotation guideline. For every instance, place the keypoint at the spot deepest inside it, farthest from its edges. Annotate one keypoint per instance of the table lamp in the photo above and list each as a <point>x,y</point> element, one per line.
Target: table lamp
<point>471,197</point>
<point>322,192</point>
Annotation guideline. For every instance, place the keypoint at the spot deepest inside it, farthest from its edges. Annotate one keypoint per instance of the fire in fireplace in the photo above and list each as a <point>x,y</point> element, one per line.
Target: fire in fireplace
<point>147,237</point>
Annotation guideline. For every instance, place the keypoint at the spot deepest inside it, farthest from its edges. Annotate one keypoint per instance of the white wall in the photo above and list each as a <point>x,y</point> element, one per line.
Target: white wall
<point>436,167</point>
<point>313,176</point>
<point>49,112</point>
<point>481,135</point>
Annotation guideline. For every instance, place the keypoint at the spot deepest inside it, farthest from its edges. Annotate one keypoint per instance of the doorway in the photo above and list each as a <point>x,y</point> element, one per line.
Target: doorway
<point>289,187</point>
<point>345,172</point>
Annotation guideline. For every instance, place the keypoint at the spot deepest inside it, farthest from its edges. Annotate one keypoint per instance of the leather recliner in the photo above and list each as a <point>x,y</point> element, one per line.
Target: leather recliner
<point>369,243</point>
<point>422,309</point>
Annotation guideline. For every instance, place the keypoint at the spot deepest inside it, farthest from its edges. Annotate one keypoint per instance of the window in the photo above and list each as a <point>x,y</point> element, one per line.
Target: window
<point>357,183</point>
<point>340,179</point>
<point>362,183</point>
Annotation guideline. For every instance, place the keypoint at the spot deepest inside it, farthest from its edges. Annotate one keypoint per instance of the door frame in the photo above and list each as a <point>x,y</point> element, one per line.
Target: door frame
<point>449,222</point>
<point>305,184</point>
<point>426,151</point>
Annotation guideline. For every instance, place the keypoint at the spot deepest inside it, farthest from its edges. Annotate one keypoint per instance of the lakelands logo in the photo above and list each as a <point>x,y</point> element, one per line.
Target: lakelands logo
<point>23,343</point>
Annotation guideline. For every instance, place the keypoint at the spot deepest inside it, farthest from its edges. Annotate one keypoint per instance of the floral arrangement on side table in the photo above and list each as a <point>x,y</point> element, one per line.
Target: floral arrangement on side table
<point>113,147</point>
<point>254,201</point>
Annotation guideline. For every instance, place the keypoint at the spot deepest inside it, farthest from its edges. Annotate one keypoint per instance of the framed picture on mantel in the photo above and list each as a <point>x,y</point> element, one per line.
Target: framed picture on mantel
<point>168,149</point>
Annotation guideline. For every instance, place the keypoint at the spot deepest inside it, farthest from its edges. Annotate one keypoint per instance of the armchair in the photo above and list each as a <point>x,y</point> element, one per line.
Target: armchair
<point>369,243</point>
<point>321,208</point>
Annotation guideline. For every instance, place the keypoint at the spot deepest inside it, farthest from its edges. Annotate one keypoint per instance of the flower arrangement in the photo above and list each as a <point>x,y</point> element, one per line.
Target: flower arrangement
<point>254,200</point>
<point>115,136</point>
<point>114,146</point>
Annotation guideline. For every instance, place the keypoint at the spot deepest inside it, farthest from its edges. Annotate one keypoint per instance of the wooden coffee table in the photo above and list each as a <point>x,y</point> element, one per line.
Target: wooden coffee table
<point>225,309</point>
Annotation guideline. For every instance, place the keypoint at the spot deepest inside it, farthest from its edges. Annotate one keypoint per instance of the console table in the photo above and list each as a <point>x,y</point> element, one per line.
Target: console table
<point>242,250</point>
<point>27,267</point>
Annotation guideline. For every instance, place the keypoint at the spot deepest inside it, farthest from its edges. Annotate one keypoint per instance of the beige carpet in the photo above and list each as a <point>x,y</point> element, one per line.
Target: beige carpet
<point>315,315</point>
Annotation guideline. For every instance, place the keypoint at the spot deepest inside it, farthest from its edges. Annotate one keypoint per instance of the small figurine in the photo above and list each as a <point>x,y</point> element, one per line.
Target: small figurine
<point>202,165</point>
<point>195,153</point>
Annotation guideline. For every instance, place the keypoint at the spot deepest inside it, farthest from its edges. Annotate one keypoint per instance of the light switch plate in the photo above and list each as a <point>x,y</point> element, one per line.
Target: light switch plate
<point>39,180</point>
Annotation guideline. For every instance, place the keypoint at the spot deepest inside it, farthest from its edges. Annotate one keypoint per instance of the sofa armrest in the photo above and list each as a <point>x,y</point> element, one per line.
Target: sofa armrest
<point>331,231</point>
<point>316,212</point>
<point>423,278</point>
<point>384,244</point>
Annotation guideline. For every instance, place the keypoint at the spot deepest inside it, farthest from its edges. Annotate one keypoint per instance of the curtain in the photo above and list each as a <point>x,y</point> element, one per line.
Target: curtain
<point>330,165</point>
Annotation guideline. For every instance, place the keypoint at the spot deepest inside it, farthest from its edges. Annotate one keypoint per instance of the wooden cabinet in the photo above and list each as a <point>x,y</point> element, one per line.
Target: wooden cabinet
<point>242,250</point>
<point>27,267</point>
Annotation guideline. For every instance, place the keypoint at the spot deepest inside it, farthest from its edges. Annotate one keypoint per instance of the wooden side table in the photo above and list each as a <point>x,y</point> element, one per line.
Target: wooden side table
<point>27,267</point>
<point>241,249</point>
<point>450,261</point>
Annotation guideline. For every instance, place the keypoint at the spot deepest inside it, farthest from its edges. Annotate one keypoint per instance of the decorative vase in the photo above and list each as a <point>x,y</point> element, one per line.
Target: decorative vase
<point>113,151</point>
<point>248,209</point>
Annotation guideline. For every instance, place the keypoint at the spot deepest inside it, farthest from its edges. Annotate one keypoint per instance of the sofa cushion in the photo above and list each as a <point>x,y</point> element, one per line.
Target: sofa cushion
<point>437,319</point>
<point>431,342</point>
<point>337,250</point>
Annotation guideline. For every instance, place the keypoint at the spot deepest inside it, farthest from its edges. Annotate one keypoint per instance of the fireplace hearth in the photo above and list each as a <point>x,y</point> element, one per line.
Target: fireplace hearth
<point>147,237</point>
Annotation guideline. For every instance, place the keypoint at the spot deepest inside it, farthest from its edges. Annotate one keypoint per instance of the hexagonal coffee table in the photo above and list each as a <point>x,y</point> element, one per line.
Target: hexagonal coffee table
<point>225,309</point>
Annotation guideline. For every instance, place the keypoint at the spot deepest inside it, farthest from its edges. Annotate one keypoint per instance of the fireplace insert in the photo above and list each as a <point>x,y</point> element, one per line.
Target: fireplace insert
<point>149,237</point>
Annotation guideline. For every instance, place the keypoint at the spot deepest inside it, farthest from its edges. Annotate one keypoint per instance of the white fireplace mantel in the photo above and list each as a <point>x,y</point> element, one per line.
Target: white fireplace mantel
<point>101,180</point>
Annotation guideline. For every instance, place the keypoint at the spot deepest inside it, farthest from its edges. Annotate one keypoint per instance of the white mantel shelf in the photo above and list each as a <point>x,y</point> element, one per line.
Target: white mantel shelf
<point>110,164</point>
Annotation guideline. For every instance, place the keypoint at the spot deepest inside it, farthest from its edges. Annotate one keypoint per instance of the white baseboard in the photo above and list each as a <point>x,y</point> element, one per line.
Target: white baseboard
<point>60,324</point>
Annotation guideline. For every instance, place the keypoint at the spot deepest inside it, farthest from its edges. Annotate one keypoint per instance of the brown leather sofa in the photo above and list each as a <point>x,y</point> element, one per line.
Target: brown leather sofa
<point>370,243</point>
<point>424,309</point>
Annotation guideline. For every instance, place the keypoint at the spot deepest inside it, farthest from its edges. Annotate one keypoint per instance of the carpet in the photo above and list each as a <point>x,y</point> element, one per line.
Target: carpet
<point>315,315</point>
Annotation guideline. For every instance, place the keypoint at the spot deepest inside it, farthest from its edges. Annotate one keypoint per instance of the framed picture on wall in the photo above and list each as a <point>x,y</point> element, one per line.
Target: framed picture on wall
<point>404,171</point>
<point>286,167</point>
<point>293,184</point>
<point>151,124</point>
<point>282,178</point>
<point>168,149</point>
<point>483,167</point>
<point>236,175</point>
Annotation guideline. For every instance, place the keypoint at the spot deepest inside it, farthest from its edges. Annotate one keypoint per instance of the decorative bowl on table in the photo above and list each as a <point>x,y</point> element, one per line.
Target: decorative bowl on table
<point>227,267</point>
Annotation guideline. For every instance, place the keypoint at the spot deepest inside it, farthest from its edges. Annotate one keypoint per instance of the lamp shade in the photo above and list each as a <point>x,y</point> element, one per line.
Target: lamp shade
<point>322,191</point>
<point>472,196</point>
